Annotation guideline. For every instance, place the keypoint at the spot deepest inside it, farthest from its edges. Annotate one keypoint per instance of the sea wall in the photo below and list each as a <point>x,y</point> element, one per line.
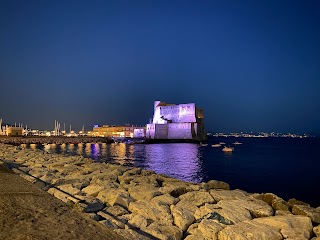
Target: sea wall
<point>140,204</point>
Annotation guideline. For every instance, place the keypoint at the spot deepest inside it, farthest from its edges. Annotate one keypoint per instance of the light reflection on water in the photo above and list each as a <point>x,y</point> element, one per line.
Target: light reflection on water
<point>177,160</point>
<point>287,167</point>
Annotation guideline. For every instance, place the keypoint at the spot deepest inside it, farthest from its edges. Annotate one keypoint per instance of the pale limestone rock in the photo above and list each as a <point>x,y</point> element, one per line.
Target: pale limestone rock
<point>132,234</point>
<point>61,195</point>
<point>164,231</point>
<point>282,213</point>
<point>311,212</point>
<point>249,230</point>
<point>214,184</point>
<point>182,217</point>
<point>115,196</point>
<point>165,198</point>
<point>292,202</point>
<point>257,208</point>
<point>209,228</point>
<point>116,210</point>
<point>152,210</point>
<point>175,187</point>
<point>187,205</point>
<point>195,237</point>
<point>92,190</point>
<point>143,192</point>
<point>219,195</point>
<point>112,221</point>
<point>197,198</point>
<point>193,229</point>
<point>69,189</point>
<point>273,200</point>
<point>291,226</point>
<point>316,230</point>
<point>138,221</point>
<point>230,212</point>
<point>38,172</point>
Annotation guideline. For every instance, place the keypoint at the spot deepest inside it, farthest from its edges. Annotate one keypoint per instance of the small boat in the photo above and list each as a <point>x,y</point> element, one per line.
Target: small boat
<point>204,144</point>
<point>222,143</point>
<point>228,149</point>
<point>237,143</point>
<point>216,145</point>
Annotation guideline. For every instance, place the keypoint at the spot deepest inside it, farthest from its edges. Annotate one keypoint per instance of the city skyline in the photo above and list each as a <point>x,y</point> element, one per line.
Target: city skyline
<point>251,66</point>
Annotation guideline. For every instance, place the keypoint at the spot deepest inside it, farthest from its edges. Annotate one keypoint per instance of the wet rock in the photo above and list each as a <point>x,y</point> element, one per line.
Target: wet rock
<point>291,226</point>
<point>164,231</point>
<point>182,217</point>
<point>304,210</point>
<point>151,210</point>
<point>214,184</point>
<point>249,230</point>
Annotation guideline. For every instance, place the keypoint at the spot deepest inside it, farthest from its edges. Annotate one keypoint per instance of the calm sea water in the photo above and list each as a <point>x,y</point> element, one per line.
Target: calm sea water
<point>288,167</point>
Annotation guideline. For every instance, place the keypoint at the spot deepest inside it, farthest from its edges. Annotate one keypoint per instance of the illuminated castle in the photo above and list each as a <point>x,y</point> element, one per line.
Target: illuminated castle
<point>176,122</point>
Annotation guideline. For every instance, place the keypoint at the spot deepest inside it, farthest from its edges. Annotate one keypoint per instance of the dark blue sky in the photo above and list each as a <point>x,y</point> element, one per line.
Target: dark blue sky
<point>251,65</point>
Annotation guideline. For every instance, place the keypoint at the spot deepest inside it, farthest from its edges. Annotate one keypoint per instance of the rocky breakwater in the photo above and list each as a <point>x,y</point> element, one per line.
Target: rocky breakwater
<point>140,204</point>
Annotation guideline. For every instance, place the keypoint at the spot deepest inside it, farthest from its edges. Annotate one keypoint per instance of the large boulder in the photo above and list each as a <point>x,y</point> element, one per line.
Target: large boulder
<point>249,230</point>
<point>138,221</point>
<point>115,196</point>
<point>145,191</point>
<point>293,227</point>
<point>166,199</point>
<point>164,231</point>
<point>220,194</point>
<point>151,210</point>
<point>225,212</point>
<point>92,189</point>
<point>214,184</point>
<point>273,200</point>
<point>311,212</point>
<point>209,228</point>
<point>182,217</point>
<point>197,198</point>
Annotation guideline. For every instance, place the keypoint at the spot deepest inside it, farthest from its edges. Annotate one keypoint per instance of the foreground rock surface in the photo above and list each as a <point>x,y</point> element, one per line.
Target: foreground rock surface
<point>140,204</point>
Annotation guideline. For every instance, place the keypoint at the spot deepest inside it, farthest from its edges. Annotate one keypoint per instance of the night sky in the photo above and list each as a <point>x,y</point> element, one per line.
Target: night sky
<point>251,65</point>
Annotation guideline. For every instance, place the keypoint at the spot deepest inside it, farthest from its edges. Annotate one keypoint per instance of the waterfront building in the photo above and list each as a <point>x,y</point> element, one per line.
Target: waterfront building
<point>14,131</point>
<point>118,131</point>
<point>176,122</point>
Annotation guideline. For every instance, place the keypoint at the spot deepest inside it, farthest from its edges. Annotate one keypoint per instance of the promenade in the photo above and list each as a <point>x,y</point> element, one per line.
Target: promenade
<point>27,212</point>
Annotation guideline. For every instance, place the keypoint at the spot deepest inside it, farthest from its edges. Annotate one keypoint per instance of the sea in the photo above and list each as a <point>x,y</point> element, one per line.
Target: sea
<point>287,167</point>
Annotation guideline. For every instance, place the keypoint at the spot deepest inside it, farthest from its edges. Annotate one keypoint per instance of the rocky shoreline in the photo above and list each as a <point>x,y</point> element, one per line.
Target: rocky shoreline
<point>140,204</point>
